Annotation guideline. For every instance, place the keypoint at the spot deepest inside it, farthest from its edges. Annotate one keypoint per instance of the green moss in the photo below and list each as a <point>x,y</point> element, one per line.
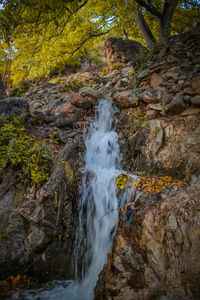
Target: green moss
<point>73,85</point>
<point>68,170</point>
<point>157,129</point>
<point>57,80</point>
<point>3,236</point>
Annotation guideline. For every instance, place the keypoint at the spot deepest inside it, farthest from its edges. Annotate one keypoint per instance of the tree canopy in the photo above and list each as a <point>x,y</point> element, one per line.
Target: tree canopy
<point>46,35</point>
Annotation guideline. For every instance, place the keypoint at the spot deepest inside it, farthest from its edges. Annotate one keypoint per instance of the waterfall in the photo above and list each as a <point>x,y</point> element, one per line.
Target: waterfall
<point>99,196</point>
<point>102,161</point>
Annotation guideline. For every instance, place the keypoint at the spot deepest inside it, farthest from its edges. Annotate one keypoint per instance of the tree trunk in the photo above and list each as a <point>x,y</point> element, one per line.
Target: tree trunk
<point>166,19</point>
<point>144,29</point>
<point>2,89</point>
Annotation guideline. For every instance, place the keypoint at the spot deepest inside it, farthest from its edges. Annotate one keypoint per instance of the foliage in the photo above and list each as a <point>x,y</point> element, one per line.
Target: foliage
<point>31,156</point>
<point>46,36</point>
<point>148,184</point>
<point>3,235</point>
<point>12,283</point>
<point>121,181</point>
<point>20,89</point>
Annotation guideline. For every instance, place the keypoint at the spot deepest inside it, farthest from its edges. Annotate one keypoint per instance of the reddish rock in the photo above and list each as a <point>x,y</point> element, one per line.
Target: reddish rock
<point>77,100</point>
<point>195,82</point>
<point>66,108</point>
<point>156,80</point>
<point>196,100</point>
<point>152,114</point>
<point>157,95</point>
<point>125,99</point>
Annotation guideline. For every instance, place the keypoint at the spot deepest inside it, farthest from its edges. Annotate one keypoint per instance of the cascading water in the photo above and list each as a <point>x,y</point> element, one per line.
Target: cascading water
<point>98,197</point>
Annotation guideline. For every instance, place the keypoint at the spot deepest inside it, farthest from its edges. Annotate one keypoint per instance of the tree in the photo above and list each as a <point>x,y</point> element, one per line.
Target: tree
<point>45,35</point>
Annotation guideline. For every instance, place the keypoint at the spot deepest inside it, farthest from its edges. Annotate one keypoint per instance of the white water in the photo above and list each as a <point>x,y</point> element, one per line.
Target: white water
<point>98,197</point>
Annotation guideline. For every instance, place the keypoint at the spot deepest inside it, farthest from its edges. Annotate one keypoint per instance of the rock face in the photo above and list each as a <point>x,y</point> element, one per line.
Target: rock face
<point>119,50</point>
<point>158,124</point>
<point>157,256</point>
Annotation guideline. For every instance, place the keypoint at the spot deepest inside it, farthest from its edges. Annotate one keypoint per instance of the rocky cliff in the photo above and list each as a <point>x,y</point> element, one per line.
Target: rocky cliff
<point>157,256</point>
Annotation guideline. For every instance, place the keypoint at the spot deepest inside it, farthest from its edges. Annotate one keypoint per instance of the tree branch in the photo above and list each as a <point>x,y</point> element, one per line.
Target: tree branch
<point>85,40</point>
<point>150,8</point>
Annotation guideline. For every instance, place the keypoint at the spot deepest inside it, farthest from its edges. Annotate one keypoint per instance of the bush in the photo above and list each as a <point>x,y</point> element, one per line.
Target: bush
<point>31,156</point>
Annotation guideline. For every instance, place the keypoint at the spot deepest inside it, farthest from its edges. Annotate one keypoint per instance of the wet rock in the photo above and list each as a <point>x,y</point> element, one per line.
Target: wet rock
<point>196,100</point>
<point>157,95</point>
<point>14,106</point>
<point>119,50</point>
<point>79,101</point>
<point>125,99</point>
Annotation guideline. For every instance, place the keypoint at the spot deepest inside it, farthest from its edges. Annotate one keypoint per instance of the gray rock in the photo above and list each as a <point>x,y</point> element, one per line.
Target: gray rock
<point>177,105</point>
<point>157,95</point>
<point>89,92</point>
<point>14,106</point>
<point>143,74</point>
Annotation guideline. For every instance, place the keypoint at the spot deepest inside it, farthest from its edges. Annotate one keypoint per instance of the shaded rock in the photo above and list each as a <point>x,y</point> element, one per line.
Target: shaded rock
<point>191,111</point>
<point>91,93</point>
<point>125,99</point>
<point>196,100</point>
<point>144,73</point>
<point>2,89</point>
<point>195,82</point>
<point>14,106</point>
<point>79,101</point>
<point>176,105</point>
<point>152,114</point>
<point>157,95</point>
<point>173,73</point>
<point>119,50</point>
<point>54,103</point>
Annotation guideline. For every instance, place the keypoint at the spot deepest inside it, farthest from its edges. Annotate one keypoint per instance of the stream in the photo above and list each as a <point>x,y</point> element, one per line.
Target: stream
<point>102,166</point>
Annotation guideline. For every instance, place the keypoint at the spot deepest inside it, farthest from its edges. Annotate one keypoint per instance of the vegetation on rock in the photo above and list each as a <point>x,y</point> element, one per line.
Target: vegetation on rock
<point>29,155</point>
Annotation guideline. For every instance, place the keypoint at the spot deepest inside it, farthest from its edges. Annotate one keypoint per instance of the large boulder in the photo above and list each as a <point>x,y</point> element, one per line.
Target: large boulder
<point>119,50</point>
<point>14,106</point>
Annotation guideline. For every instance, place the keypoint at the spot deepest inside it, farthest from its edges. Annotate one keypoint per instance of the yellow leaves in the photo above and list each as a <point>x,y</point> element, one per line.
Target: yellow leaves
<point>171,164</point>
<point>148,184</point>
<point>121,181</point>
